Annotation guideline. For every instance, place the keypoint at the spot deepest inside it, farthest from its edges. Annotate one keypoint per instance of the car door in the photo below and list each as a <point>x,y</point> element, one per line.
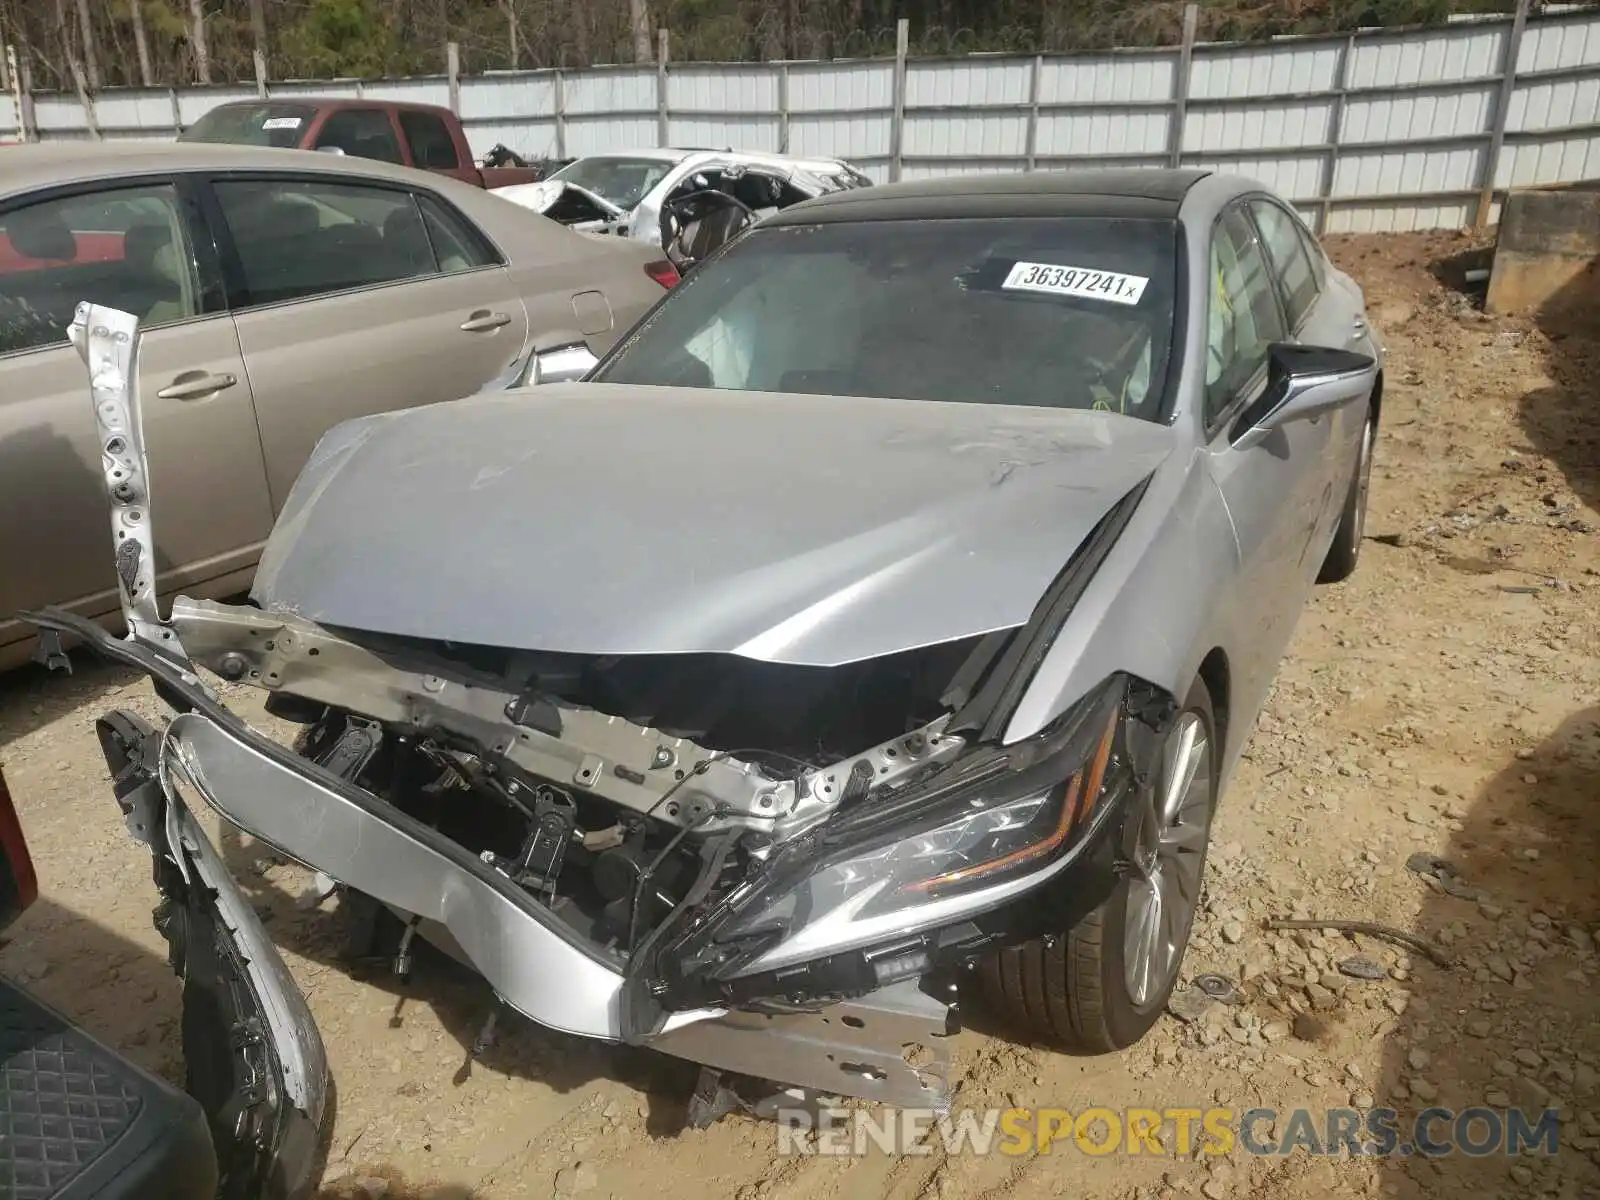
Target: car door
<point>352,296</point>
<point>362,132</point>
<point>1316,316</point>
<point>139,246</point>
<point>1275,490</point>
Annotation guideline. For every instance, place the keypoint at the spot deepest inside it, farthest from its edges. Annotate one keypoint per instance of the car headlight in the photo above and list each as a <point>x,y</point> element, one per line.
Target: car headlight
<point>1008,823</point>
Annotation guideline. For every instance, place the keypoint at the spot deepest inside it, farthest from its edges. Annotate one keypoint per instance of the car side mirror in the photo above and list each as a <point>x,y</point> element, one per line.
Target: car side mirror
<point>1303,383</point>
<point>562,364</point>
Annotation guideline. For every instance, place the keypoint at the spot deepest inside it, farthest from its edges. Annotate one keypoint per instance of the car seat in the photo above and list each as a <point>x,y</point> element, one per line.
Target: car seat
<point>154,278</point>
<point>40,232</point>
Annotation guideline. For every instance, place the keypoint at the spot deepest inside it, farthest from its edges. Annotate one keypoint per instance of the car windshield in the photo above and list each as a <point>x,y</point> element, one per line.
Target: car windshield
<point>622,181</point>
<point>268,124</point>
<point>1069,312</point>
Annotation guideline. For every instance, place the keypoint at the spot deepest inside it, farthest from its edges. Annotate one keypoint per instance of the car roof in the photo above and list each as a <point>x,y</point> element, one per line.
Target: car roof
<point>45,164</point>
<point>1121,192</point>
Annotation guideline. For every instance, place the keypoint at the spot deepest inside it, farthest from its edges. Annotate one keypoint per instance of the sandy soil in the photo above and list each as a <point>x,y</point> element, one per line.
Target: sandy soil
<point>1446,701</point>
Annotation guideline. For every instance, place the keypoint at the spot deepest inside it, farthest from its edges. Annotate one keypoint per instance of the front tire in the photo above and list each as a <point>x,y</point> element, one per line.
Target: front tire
<point>1101,986</point>
<point>1346,549</point>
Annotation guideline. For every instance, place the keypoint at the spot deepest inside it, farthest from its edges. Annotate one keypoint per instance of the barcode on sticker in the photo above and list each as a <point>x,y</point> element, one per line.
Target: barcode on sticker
<point>1076,281</point>
<point>281,123</point>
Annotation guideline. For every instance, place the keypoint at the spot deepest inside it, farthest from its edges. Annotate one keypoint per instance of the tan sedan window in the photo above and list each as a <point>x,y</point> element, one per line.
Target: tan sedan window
<point>302,238</point>
<point>125,247</point>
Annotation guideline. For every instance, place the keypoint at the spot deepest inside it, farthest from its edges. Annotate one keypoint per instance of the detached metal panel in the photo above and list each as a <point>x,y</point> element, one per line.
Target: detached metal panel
<point>1560,43</point>
<point>1287,68</point>
<point>841,87</point>
<point>192,105</point>
<point>133,110</point>
<point>1108,79</point>
<point>509,98</point>
<point>295,89</point>
<point>977,81</point>
<point>1433,56</point>
<point>1403,216</point>
<point>1250,124</point>
<point>1549,160</point>
<point>434,91</point>
<point>722,89</point>
<point>1407,116</point>
<point>1093,131</point>
<point>736,131</point>
<point>1398,172</point>
<point>1554,104</point>
<point>603,91</point>
<point>1296,177</point>
<point>602,134</point>
<point>531,137</point>
<point>966,135</point>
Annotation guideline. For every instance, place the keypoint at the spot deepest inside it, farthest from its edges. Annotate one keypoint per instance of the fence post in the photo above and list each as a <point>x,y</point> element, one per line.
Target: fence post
<point>14,76</point>
<point>1330,164</point>
<point>452,68</point>
<point>1502,106</point>
<point>29,115</point>
<point>783,108</point>
<point>1180,86</point>
<point>663,131</point>
<point>261,72</point>
<point>897,127</point>
<point>561,112</point>
<point>177,111</point>
<point>1033,112</point>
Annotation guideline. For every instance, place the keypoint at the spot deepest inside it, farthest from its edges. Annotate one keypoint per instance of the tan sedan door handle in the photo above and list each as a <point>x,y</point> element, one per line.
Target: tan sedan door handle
<point>194,389</point>
<point>483,321</point>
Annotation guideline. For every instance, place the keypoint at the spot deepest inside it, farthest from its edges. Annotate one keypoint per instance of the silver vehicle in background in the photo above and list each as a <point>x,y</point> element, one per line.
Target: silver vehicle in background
<point>688,202</point>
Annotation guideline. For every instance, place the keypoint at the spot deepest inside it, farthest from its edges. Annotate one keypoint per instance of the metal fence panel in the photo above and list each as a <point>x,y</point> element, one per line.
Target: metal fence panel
<point>1378,129</point>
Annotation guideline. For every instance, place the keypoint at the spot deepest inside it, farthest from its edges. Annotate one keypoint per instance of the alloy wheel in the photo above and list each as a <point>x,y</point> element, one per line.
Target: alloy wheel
<point>1164,886</point>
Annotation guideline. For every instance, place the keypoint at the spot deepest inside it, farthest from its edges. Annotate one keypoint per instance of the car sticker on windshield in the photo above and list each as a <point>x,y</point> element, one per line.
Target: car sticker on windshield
<point>281,123</point>
<point>1076,281</point>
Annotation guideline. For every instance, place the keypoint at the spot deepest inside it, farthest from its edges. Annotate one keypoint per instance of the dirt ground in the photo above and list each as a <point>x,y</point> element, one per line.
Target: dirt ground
<point>1444,702</point>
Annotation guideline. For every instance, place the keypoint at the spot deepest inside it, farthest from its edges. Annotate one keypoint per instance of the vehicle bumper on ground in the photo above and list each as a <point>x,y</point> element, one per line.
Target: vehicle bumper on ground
<point>78,1120</point>
<point>874,1024</point>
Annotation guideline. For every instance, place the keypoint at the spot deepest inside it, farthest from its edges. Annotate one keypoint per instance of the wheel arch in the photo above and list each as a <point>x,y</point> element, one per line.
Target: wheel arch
<point>1214,672</point>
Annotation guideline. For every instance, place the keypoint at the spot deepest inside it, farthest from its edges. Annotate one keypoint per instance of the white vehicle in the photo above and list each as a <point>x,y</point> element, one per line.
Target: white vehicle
<point>688,202</point>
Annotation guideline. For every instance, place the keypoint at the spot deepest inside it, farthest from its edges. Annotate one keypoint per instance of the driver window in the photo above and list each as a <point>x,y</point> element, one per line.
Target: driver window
<point>1242,316</point>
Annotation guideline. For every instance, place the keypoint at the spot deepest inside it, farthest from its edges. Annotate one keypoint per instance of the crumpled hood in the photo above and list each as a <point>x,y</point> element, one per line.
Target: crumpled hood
<point>615,519</point>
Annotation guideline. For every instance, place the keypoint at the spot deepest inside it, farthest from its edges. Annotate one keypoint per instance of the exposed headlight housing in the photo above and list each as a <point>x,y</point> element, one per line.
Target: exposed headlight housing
<point>979,836</point>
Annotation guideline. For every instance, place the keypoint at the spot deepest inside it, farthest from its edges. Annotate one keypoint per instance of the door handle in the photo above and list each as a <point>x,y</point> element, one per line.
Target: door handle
<point>194,389</point>
<point>483,321</point>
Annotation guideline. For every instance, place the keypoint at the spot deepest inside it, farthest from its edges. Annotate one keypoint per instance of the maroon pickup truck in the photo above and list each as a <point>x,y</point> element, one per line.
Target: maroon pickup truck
<point>413,135</point>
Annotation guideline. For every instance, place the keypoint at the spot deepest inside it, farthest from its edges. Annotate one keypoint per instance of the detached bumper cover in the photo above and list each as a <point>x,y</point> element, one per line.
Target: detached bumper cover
<point>893,1050</point>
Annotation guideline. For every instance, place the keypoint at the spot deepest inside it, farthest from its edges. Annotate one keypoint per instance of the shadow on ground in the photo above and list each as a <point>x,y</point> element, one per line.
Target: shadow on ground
<point>460,999</point>
<point>1562,421</point>
<point>1513,1023</point>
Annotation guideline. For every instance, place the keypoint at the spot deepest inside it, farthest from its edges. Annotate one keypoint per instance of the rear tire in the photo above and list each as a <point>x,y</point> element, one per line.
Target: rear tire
<point>1346,549</point>
<point>1076,990</point>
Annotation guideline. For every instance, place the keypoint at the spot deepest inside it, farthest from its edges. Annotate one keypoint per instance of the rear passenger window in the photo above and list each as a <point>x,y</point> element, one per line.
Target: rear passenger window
<point>301,238</point>
<point>123,247</point>
<point>362,132</point>
<point>432,147</point>
<point>1290,262</point>
<point>458,245</point>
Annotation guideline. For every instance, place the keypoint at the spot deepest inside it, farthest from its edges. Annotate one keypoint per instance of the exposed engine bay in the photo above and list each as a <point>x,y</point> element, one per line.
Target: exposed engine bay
<point>591,782</point>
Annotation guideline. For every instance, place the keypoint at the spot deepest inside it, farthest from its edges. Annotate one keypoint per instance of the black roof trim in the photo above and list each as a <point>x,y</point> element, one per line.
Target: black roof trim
<point>1125,192</point>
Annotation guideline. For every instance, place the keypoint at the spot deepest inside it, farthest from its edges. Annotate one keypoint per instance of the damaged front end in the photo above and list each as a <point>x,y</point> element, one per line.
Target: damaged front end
<point>772,870</point>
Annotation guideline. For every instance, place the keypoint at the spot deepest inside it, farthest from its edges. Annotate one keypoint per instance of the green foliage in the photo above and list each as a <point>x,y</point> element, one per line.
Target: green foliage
<point>310,39</point>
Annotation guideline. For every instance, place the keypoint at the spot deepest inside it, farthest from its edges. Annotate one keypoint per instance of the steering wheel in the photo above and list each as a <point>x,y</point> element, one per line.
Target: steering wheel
<point>674,220</point>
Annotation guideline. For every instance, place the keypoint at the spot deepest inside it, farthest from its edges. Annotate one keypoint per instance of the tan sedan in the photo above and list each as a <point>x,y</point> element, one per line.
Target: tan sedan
<point>283,291</point>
